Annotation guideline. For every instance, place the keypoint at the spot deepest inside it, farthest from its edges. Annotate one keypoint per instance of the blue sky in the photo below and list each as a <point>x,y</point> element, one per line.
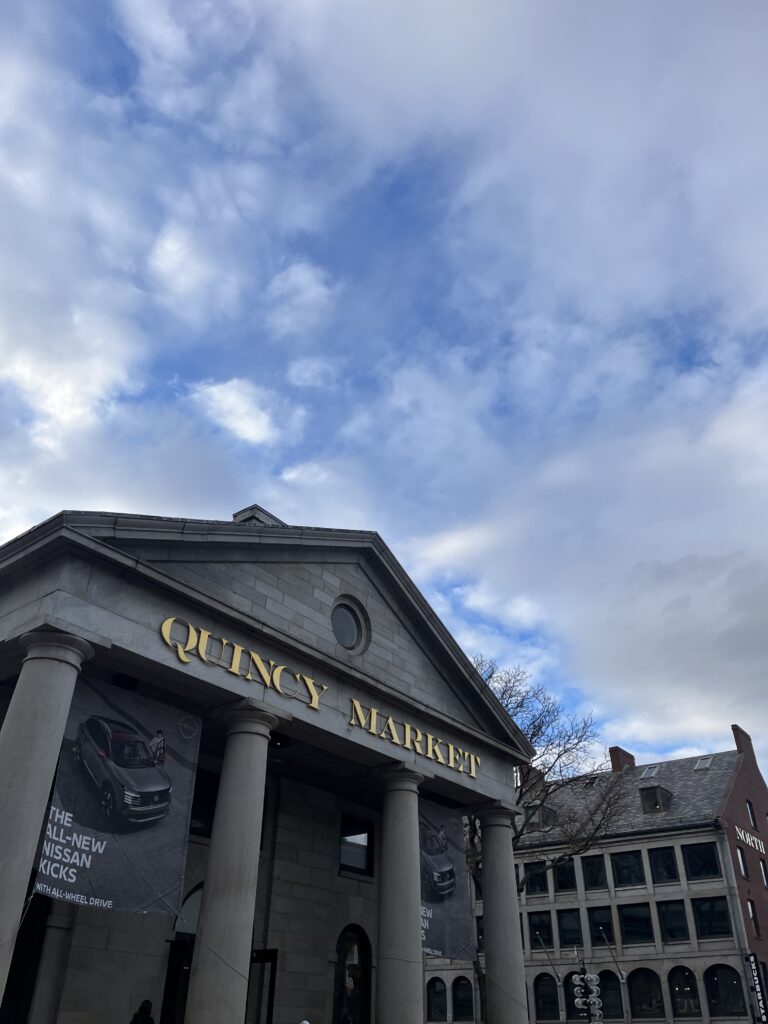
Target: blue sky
<point>488,279</point>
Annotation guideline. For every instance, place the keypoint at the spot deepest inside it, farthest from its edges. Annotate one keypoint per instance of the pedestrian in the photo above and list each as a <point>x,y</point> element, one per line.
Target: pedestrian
<point>144,1014</point>
<point>157,747</point>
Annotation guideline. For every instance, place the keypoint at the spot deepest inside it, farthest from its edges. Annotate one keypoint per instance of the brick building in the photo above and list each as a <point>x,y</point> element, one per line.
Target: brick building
<point>671,910</point>
<point>330,699</point>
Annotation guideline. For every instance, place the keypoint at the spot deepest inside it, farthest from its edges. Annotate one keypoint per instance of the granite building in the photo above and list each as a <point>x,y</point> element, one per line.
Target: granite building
<point>670,910</point>
<point>325,697</point>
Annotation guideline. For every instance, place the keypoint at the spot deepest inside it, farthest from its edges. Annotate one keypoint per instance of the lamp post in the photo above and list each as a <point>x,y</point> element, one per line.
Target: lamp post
<point>586,991</point>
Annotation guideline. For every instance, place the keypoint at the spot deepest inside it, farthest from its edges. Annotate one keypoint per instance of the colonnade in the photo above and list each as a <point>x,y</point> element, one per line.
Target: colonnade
<point>30,740</point>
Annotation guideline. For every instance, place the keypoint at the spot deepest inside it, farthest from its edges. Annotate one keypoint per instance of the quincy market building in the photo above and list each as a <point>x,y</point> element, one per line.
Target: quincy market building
<point>318,698</point>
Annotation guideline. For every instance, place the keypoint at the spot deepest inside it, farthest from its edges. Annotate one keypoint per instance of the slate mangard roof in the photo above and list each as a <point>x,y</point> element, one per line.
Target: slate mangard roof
<point>696,797</point>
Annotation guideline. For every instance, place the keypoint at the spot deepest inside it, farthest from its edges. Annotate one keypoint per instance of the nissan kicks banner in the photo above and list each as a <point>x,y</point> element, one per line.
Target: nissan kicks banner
<point>447,910</point>
<point>116,834</point>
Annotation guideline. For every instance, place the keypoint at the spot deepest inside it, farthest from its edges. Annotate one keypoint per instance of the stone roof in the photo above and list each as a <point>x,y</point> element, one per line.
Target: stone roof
<point>696,796</point>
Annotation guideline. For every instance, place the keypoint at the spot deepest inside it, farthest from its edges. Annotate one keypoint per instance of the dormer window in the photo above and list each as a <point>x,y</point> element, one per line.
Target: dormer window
<point>655,799</point>
<point>703,762</point>
<point>650,771</point>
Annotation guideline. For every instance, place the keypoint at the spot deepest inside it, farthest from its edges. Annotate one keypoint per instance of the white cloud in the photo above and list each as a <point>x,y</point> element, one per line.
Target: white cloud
<point>250,413</point>
<point>299,300</point>
<point>311,372</point>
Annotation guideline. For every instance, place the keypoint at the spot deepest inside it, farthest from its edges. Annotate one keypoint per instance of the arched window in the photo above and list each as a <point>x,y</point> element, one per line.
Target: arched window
<point>463,1002</point>
<point>610,993</point>
<point>545,997</point>
<point>186,922</point>
<point>571,1012</point>
<point>437,1000</point>
<point>645,998</point>
<point>724,992</point>
<point>352,980</point>
<point>684,993</point>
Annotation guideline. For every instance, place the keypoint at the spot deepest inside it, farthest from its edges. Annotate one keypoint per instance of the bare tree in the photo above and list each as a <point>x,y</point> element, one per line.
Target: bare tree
<point>566,795</point>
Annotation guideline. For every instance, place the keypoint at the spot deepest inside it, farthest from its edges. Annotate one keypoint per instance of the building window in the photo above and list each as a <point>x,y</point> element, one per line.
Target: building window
<point>348,626</point>
<point>565,876</point>
<point>701,860</point>
<point>600,926</point>
<point>724,992</point>
<point>751,814</point>
<point>764,873</point>
<point>663,865</point>
<point>711,917</point>
<point>569,927</point>
<point>742,859</point>
<point>752,910</point>
<point>650,771</point>
<point>437,1000</point>
<point>627,869</point>
<point>645,998</point>
<point>610,993</point>
<point>545,997</point>
<point>703,762</point>
<point>540,930</point>
<point>672,921</point>
<point>356,845</point>
<point>636,924</point>
<point>535,876</point>
<point>655,799</point>
<point>594,872</point>
<point>684,993</point>
<point>352,977</point>
<point>463,1001</point>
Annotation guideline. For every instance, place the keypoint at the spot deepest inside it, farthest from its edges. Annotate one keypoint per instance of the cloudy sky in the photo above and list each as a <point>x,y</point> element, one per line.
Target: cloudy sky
<point>489,278</point>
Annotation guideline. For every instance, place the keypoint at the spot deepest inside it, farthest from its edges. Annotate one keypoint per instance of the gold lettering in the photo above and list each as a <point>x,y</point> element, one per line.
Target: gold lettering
<point>314,694</point>
<point>462,755</point>
<point>202,645</point>
<point>254,661</point>
<point>433,749</point>
<point>391,729</point>
<point>474,761</point>
<point>278,684</point>
<point>176,645</point>
<point>369,721</point>
<point>234,661</point>
<point>412,739</point>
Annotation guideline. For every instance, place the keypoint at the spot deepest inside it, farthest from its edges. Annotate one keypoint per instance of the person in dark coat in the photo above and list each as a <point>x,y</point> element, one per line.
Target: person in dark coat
<point>144,1014</point>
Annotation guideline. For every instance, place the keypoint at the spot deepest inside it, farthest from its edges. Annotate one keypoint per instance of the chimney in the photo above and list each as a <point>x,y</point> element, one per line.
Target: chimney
<point>743,740</point>
<point>621,759</point>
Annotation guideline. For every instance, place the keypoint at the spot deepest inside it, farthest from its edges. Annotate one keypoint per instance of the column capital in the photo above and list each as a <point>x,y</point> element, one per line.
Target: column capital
<point>54,646</point>
<point>397,778</point>
<point>248,716</point>
<point>498,815</point>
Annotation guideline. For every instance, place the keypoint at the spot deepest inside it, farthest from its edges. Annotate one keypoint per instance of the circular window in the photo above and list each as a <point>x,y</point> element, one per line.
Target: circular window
<point>347,627</point>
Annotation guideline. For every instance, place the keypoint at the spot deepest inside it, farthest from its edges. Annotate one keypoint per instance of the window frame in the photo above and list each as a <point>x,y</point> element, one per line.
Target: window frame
<point>564,864</point>
<point>536,869</point>
<point>353,828</point>
<point>752,816</point>
<point>596,938</point>
<point>626,908</point>
<point>680,904</point>
<point>697,906</point>
<point>638,854</point>
<point>593,858</point>
<point>569,910</point>
<point>687,849</point>
<point>537,941</point>
<point>651,861</point>
<point>741,859</point>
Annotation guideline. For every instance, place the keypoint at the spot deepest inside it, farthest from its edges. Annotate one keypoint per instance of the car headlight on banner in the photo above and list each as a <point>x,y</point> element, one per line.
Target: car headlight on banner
<point>131,798</point>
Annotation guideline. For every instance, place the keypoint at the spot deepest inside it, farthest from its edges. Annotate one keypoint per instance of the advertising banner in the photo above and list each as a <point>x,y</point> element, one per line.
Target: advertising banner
<point>116,834</point>
<point>447,910</point>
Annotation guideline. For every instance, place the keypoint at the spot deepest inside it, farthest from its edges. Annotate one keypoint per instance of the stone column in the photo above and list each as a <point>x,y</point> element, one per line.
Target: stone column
<point>218,984</point>
<point>30,740</point>
<point>400,970</point>
<point>505,993</point>
<point>49,983</point>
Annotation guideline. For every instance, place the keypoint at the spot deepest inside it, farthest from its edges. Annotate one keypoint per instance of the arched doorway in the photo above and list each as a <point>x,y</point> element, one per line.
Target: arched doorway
<point>352,978</point>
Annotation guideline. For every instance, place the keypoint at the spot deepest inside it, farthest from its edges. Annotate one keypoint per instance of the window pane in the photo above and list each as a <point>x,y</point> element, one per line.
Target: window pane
<point>545,998</point>
<point>751,813</point>
<point>437,1000</point>
<point>540,930</point>
<point>600,926</point>
<point>753,917</point>
<point>645,996</point>
<point>627,868</point>
<point>569,926</point>
<point>463,1003</point>
<point>610,993</point>
<point>535,874</point>
<point>742,862</point>
<point>356,845</point>
<point>711,916</point>
<point>674,926</point>
<point>565,876</point>
<point>724,992</point>
<point>594,872</point>
<point>636,924</point>
<point>701,860</point>
<point>663,864</point>
<point>764,873</point>
<point>684,993</point>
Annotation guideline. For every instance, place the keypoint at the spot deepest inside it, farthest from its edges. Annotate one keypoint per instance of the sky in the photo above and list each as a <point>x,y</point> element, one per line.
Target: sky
<point>490,279</point>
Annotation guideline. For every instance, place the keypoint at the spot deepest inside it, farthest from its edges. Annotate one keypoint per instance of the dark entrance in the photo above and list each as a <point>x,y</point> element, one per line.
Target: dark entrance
<point>352,978</point>
<point>20,988</point>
